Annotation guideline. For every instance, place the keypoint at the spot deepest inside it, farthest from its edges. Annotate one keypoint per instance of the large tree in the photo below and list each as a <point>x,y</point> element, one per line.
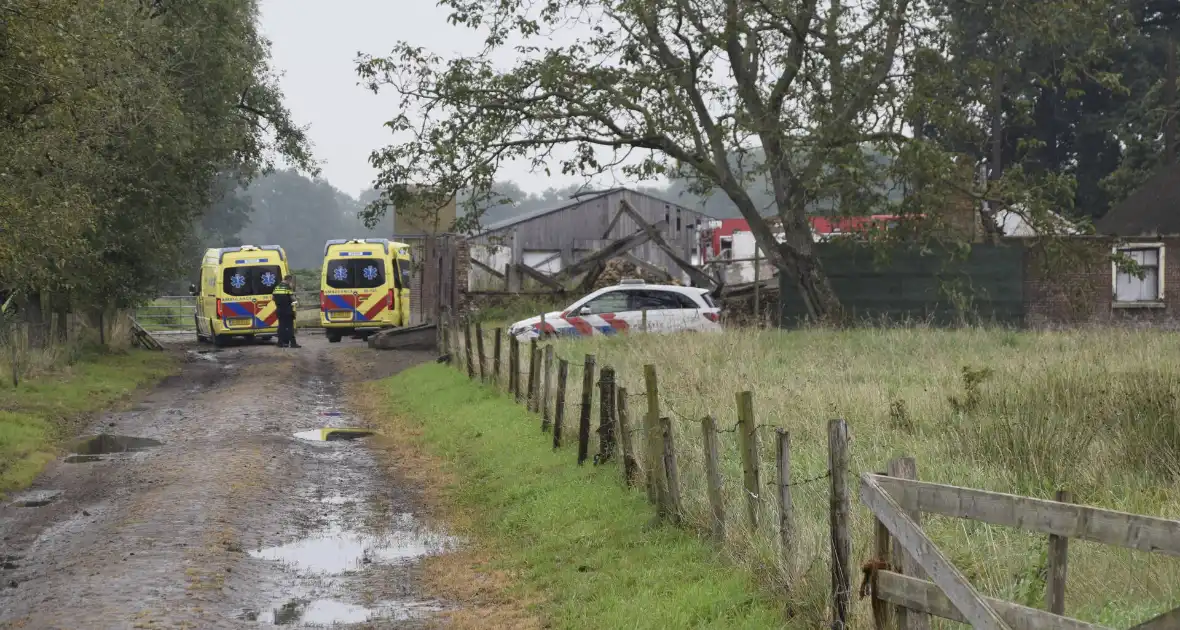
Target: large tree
<point>119,121</point>
<point>671,87</point>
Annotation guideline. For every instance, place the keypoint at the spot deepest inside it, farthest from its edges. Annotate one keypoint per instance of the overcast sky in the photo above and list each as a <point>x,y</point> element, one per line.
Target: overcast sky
<point>315,44</point>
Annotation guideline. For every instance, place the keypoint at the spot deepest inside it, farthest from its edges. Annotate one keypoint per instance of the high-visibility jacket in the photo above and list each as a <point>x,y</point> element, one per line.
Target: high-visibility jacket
<point>284,299</point>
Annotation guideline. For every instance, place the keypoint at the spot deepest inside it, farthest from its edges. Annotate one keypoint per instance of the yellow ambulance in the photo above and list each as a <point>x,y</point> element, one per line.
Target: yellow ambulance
<point>364,287</point>
<point>233,294</point>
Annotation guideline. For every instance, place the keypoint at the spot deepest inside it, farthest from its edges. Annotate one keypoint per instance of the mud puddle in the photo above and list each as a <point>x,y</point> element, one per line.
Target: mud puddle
<point>332,611</point>
<point>36,498</point>
<point>337,550</point>
<point>333,434</point>
<point>353,552</point>
<point>107,444</point>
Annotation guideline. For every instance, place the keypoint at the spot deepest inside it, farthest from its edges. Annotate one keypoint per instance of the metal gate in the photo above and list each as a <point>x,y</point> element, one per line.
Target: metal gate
<point>168,314</point>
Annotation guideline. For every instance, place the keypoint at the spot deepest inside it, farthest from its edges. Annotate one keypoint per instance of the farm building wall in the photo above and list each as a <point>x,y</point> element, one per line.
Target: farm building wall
<point>938,288</point>
<point>1079,290</point>
<point>1068,282</point>
<point>577,230</point>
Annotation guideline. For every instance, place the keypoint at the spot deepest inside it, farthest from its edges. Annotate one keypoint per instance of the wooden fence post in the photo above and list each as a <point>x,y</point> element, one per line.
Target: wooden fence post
<point>786,507</point>
<point>606,415</point>
<point>883,556</point>
<point>587,401</point>
<point>534,370</point>
<point>644,321</point>
<point>713,477</point>
<point>907,468</point>
<point>547,389</point>
<point>514,367</point>
<point>483,369</point>
<point>563,368</point>
<point>748,444</point>
<point>496,358</point>
<point>841,508</point>
<point>671,473</point>
<point>629,464</point>
<point>467,350</point>
<point>652,451</point>
<point>1058,566</point>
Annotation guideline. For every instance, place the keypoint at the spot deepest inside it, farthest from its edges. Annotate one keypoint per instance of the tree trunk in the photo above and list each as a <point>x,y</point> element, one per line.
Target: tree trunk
<point>61,315</point>
<point>821,302</point>
<point>35,318</point>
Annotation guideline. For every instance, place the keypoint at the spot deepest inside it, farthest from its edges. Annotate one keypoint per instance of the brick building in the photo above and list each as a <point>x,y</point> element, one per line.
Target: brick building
<point>1090,284</point>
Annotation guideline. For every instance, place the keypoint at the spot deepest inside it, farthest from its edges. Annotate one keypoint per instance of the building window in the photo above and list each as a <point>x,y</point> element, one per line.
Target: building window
<point>1141,283</point>
<point>726,247</point>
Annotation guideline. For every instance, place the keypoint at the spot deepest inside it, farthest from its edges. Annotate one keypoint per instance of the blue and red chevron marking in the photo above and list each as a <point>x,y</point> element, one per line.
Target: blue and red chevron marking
<point>243,309</point>
<point>343,303</point>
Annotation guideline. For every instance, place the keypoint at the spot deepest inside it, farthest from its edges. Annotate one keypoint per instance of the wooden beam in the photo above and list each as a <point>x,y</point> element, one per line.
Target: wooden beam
<point>942,572</point>
<point>592,276</point>
<point>924,596</point>
<point>488,269</point>
<point>547,259</point>
<point>613,223</point>
<point>653,232</point>
<point>1166,621</point>
<point>1144,533</point>
<point>540,277</point>
<point>624,244</point>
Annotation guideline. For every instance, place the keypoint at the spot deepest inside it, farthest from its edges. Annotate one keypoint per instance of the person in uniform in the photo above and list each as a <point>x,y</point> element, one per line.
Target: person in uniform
<point>284,298</point>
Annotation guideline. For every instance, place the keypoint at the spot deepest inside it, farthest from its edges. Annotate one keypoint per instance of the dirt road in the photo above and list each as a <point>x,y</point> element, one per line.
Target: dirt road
<point>220,517</point>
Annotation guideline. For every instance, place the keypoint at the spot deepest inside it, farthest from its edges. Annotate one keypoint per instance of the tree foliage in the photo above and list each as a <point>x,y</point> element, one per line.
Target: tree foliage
<point>121,123</point>
<point>825,93</point>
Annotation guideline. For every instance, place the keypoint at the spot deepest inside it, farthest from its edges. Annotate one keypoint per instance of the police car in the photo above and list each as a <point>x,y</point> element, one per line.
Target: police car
<point>624,308</point>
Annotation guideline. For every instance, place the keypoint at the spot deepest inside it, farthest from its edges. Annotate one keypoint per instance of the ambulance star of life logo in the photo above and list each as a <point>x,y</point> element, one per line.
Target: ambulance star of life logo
<point>370,273</point>
<point>269,279</point>
<point>237,281</point>
<point>340,273</point>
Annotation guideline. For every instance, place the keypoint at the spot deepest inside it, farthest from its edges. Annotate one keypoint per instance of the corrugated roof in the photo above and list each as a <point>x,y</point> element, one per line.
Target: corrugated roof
<point>569,203</point>
<point>540,212</point>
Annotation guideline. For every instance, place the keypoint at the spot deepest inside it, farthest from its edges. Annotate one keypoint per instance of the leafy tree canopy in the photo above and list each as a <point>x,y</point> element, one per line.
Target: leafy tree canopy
<point>692,88</point>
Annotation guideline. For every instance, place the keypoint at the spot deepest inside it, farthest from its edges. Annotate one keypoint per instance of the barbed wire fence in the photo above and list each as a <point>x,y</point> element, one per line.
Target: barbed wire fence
<point>704,487</point>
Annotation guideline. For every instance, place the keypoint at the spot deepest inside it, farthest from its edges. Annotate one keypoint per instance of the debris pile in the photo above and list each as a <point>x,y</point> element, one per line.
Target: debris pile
<point>618,269</point>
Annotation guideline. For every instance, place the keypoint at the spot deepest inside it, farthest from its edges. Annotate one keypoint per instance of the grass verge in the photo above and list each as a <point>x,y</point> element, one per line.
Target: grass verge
<point>1096,412</point>
<point>42,411</point>
<point>572,535</point>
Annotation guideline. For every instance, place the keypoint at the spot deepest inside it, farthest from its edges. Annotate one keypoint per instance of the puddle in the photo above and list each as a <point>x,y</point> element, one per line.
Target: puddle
<point>37,498</point>
<point>107,443</point>
<point>83,459</point>
<point>338,551</point>
<point>333,434</point>
<point>331,611</point>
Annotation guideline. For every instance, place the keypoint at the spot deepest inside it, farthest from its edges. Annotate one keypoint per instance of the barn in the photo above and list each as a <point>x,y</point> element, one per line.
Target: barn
<point>575,235</point>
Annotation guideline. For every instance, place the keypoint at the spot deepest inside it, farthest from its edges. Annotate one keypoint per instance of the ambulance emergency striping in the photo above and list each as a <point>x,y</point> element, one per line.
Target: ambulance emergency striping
<point>247,309</point>
<point>350,303</point>
<point>605,324</point>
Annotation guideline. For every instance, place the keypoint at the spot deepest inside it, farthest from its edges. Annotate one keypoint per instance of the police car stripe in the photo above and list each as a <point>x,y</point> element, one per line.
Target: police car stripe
<point>586,325</point>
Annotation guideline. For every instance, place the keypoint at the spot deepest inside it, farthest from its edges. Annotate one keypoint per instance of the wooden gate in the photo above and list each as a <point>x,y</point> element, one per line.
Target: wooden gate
<point>898,502</point>
<point>433,283</point>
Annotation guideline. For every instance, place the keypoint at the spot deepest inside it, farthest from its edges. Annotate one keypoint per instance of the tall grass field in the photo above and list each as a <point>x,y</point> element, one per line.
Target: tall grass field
<point>1094,412</point>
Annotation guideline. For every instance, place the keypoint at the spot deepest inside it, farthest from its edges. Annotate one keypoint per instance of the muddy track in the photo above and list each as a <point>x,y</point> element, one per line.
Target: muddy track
<point>226,520</point>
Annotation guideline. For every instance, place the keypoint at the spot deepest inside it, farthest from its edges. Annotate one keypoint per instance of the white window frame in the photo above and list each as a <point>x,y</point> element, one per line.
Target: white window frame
<point>1158,302</point>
